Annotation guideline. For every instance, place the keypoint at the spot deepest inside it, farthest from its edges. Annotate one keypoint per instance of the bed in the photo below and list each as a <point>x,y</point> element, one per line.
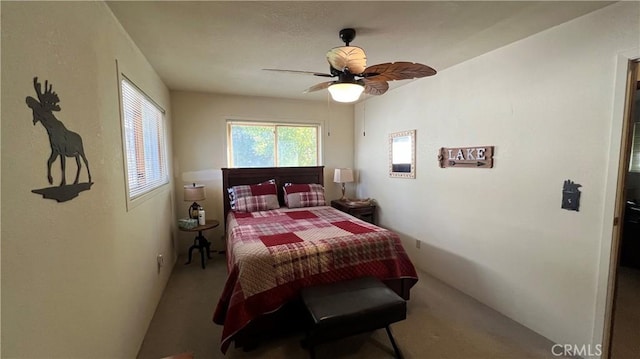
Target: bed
<point>273,253</point>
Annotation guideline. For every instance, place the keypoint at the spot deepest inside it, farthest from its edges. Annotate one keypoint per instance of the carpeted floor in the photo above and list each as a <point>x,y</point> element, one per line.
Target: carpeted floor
<point>441,323</point>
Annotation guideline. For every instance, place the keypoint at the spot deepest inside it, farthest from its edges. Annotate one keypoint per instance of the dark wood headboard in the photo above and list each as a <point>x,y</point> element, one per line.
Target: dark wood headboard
<point>243,176</point>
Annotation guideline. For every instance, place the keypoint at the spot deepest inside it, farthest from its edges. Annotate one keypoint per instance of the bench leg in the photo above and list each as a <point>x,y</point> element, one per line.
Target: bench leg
<point>306,343</point>
<point>393,343</point>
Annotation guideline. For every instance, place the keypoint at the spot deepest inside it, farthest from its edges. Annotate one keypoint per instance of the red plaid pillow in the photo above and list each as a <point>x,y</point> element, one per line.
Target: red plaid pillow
<point>303,195</point>
<point>252,198</point>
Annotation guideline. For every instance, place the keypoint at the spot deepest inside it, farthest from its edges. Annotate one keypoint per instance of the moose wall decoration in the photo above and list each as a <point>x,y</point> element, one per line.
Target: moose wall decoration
<point>64,143</point>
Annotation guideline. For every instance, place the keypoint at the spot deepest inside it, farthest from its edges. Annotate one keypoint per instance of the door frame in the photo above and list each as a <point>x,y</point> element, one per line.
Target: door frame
<point>620,145</point>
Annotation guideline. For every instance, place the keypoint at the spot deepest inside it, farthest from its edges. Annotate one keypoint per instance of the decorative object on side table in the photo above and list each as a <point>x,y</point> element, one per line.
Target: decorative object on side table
<point>187,223</point>
<point>342,176</point>
<point>364,209</point>
<point>200,242</point>
<point>355,202</point>
<point>194,193</point>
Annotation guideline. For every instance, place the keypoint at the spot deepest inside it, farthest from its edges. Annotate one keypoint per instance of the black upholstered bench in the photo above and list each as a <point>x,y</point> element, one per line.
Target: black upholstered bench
<point>351,307</point>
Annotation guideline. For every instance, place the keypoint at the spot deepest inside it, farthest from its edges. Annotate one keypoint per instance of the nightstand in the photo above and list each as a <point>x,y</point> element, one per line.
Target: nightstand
<point>201,243</point>
<point>365,212</point>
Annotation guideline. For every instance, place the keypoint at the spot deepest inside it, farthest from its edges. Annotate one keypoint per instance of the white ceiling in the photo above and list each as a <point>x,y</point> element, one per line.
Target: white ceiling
<point>222,46</point>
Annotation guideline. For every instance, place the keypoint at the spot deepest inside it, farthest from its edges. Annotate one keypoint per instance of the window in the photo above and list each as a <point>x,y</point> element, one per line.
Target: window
<point>144,141</point>
<point>261,144</point>
<point>634,166</point>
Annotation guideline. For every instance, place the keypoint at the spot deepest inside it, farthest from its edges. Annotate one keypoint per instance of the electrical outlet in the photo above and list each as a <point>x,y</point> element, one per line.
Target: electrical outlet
<point>418,243</point>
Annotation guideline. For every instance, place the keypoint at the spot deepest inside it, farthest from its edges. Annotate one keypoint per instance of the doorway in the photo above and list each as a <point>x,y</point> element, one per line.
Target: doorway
<point>625,317</point>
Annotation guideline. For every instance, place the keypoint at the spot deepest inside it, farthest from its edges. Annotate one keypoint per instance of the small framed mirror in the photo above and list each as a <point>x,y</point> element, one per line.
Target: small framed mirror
<point>402,154</point>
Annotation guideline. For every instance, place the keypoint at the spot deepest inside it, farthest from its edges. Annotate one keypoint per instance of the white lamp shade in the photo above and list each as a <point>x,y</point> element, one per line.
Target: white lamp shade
<point>194,193</point>
<point>346,92</point>
<point>343,175</point>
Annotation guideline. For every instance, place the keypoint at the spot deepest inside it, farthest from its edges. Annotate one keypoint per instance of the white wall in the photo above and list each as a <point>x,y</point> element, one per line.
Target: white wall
<point>546,104</point>
<point>200,143</point>
<point>79,278</point>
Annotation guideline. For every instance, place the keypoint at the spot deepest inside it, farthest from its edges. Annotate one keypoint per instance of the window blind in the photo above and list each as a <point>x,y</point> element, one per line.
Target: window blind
<point>143,123</point>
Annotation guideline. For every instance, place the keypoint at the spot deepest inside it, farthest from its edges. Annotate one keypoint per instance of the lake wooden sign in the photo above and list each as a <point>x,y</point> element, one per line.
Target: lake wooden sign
<point>473,157</point>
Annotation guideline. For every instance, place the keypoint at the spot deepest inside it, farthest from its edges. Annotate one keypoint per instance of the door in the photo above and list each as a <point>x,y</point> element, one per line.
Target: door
<point>624,338</point>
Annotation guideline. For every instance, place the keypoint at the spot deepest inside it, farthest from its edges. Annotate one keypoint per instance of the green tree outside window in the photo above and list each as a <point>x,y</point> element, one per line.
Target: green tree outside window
<point>272,145</point>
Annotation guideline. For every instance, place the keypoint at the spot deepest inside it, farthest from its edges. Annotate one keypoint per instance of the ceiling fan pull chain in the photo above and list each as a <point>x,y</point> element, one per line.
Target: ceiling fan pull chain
<point>328,117</point>
<point>364,119</point>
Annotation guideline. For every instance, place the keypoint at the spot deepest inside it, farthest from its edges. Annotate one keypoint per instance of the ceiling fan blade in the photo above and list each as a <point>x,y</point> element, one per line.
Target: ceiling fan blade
<point>301,72</point>
<point>375,87</point>
<point>352,58</point>
<point>391,71</point>
<point>320,86</point>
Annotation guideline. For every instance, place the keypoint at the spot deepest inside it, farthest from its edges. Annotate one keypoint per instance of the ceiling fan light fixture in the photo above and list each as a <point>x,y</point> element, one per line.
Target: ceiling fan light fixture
<point>346,92</point>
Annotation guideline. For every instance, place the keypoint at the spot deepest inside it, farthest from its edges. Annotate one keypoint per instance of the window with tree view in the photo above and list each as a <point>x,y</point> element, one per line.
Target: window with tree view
<point>253,144</point>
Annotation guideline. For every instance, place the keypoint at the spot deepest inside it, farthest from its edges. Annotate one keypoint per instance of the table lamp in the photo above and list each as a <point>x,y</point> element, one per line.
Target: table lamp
<point>343,175</point>
<point>194,193</point>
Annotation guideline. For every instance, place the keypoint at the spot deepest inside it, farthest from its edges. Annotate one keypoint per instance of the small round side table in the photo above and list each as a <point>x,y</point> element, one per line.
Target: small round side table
<point>200,242</point>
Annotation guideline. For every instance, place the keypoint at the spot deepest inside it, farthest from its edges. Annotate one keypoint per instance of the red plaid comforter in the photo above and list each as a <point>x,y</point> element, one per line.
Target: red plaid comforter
<point>271,255</point>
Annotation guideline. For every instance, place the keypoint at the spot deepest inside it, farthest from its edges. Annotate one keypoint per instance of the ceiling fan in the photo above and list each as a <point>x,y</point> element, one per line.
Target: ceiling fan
<point>349,65</point>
